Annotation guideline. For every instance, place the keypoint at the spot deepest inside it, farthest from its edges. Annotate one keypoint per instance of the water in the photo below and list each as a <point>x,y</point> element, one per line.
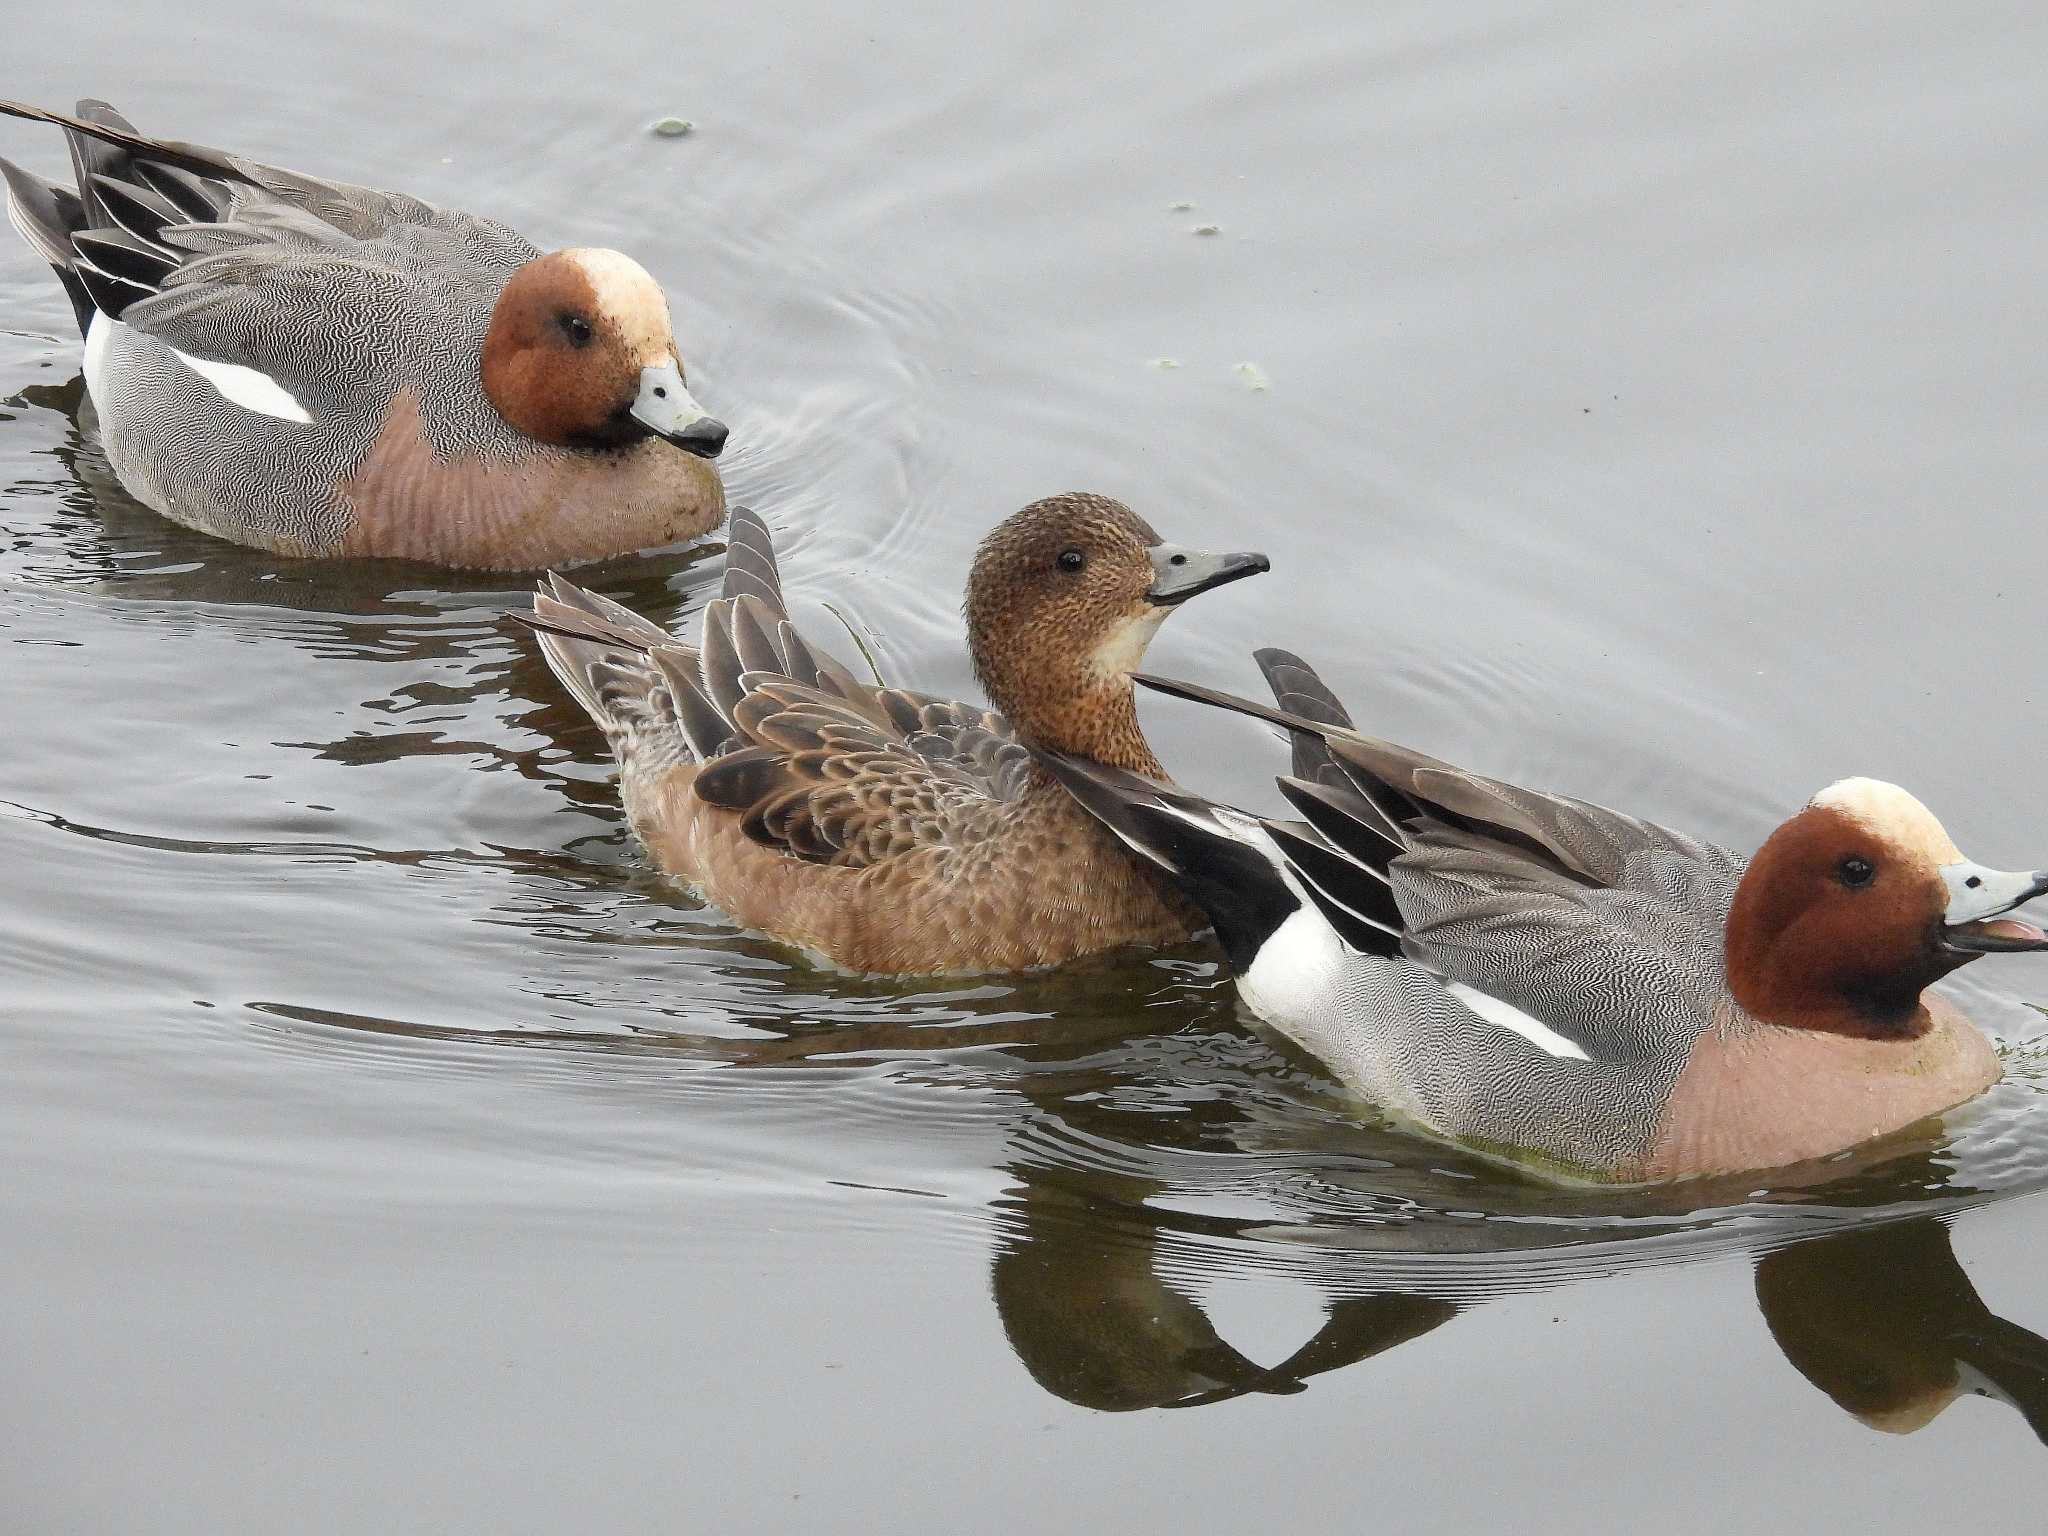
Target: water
<point>1650,413</point>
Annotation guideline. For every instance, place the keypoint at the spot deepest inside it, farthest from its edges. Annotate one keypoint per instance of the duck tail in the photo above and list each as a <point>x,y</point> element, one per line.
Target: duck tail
<point>2014,1362</point>
<point>104,237</point>
<point>98,123</point>
<point>638,683</point>
<point>1219,858</point>
<point>1298,690</point>
<point>47,216</point>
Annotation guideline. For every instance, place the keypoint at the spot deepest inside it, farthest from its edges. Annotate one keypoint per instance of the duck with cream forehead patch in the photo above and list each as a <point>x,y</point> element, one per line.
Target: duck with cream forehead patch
<point>319,369</point>
<point>1586,995</point>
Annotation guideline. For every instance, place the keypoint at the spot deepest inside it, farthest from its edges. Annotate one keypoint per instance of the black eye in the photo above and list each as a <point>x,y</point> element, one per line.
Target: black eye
<point>1856,870</point>
<point>576,328</point>
<point>1072,560</point>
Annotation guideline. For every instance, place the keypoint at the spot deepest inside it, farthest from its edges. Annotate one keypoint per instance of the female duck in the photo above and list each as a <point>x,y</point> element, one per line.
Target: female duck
<point>320,369</point>
<point>882,829</point>
<point>1573,989</point>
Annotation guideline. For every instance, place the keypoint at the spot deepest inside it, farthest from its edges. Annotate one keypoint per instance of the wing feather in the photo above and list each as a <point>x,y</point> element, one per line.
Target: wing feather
<point>816,763</point>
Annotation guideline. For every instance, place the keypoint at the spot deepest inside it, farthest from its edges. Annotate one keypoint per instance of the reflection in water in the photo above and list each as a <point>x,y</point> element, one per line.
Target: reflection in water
<point>377,1062</point>
<point>1094,1320</point>
<point>1885,1321</point>
<point>1881,1317</point>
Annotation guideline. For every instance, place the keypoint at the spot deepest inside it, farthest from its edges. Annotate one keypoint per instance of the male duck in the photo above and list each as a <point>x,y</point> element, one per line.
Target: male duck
<point>1587,994</point>
<point>321,369</point>
<point>886,830</point>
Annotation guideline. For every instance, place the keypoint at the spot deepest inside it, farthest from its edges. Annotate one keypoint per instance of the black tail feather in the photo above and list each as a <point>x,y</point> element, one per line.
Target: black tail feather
<point>1236,885</point>
<point>109,291</point>
<point>130,190</point>
<point>1357,901</point>
<point>1347,820</point>
<point>199,199</point>
<point>136,209</point>
<point>47,217</point>
<point>119,254</point>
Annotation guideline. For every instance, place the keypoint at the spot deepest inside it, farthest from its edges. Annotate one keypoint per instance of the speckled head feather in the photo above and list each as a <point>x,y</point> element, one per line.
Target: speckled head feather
<point>1057,617</point>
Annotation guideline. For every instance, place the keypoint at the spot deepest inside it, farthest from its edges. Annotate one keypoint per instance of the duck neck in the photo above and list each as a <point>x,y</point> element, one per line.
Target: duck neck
<point>1079,710</point>
<point>1879,1014</point>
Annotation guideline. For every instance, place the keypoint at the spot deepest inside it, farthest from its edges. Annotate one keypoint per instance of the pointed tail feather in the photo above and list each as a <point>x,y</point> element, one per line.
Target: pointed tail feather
<point>1356,901</point>
<point>93,156</point>
<point>626,672</point>
<point>750,567</point>
<point>1296,688</point>
<point>100,122</point>
<point>105,239</point>
<point>46,216</point>
<point>747,629</point>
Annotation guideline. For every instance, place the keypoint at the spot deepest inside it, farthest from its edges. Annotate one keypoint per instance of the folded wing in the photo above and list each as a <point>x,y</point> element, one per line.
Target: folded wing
<point>816,763</point>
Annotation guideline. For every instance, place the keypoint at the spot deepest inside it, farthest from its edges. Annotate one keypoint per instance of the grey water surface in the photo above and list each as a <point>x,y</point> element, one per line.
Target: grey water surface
<point>1641,401</point>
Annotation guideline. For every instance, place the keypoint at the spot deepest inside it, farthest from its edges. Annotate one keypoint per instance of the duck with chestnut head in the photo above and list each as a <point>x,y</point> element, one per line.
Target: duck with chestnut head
<point>885,830</point>
<point>319,369</point>
<point>1584,994</point>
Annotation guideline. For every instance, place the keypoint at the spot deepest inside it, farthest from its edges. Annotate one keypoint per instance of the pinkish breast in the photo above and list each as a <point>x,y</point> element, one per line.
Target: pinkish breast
<point>1758,1096</point>
<point>545,508</point>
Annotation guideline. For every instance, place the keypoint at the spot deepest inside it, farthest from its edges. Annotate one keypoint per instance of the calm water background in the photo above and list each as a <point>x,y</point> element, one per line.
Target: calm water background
<point>1652,412</point>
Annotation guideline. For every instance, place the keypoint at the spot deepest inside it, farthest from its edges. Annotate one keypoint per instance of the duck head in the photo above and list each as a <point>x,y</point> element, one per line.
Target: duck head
<point>1859,903</point>
<point>580,355</point>
<point>1063,598</point>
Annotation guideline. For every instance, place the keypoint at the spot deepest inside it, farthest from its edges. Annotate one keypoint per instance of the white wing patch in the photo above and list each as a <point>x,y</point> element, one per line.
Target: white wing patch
<point>1507,1016</point>
<point>245,387</point>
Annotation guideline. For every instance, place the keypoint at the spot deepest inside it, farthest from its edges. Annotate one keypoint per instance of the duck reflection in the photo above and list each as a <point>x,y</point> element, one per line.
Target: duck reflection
<point>1094,1320</point>
<point>1880,1318</point>
<point>1886,1323</point>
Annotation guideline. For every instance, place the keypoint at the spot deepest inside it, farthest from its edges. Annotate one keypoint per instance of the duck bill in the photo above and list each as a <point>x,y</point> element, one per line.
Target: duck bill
<point>664,408</point>
<point>1179,574</point>
<point>1978,899</point>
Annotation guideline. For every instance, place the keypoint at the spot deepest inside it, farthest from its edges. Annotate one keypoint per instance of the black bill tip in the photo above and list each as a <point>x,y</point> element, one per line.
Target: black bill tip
<point>705,437</point>
<point>1179,574</point>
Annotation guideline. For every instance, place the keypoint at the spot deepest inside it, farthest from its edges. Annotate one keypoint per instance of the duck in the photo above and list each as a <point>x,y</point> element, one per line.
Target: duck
<point>1589,997</point>
<point>874,828</point>
<point>323,370</point>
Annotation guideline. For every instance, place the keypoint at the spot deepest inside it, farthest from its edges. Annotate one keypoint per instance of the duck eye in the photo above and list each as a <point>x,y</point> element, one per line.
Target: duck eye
<point>1072,560</point>
<point>576,328</point>
<point>1856,870</point>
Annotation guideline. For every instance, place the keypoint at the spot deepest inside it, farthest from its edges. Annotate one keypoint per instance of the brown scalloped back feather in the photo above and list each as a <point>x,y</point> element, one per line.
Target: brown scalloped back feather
<point>884,829</point>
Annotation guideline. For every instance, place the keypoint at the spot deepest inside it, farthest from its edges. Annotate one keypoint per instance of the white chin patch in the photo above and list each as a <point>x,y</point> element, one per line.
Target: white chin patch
<point>245,387</point>
<point>1124,647</point>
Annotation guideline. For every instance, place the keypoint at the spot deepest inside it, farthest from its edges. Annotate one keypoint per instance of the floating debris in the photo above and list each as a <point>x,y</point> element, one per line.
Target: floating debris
<point>671,127</point>
<point>1254,376</point>
<point>1183,206</point>
<point>1208,229</point>
<point>1165,362</point>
